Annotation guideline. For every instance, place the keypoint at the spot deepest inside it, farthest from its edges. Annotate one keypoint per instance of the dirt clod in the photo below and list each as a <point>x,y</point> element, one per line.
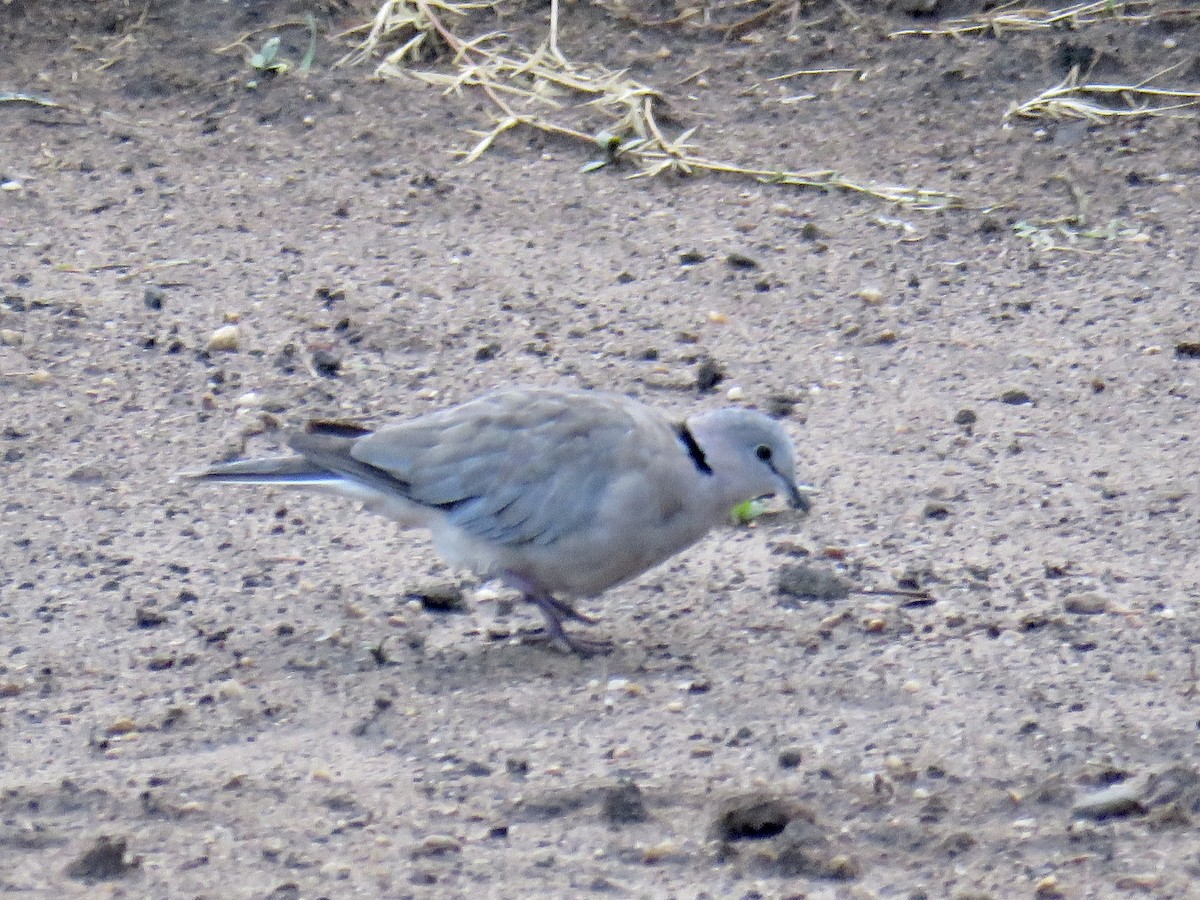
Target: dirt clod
<point>709,374</point>
<point>801,583</point>
<point>106,860</point>
<point>623,803</point>
<point>756,817</point>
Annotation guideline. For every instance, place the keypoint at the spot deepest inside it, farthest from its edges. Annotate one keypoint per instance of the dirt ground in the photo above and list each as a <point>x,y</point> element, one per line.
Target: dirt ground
<point>222,692</point>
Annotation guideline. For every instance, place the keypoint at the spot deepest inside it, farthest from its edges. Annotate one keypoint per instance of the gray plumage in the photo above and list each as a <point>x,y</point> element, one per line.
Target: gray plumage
<point>556,492</point>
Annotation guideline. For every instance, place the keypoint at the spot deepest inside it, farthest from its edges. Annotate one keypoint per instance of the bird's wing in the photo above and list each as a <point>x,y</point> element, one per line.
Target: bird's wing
<point>520,466</point>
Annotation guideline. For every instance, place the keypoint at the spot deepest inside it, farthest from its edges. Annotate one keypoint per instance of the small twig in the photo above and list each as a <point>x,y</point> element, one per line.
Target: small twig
<point>14,97</point>
<point>800,72</point>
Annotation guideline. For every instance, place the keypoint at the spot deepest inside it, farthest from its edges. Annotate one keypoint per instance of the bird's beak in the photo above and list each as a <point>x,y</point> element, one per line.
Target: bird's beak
<point>798,495</point>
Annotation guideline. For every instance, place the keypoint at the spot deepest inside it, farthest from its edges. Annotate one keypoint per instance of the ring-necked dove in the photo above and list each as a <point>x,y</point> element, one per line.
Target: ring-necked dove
<point>556,492</point>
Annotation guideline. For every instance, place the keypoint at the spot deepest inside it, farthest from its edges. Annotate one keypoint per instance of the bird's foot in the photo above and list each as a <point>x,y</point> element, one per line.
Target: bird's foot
<point>584,648</point>
<point>554,611</point>
<point>567,611</point>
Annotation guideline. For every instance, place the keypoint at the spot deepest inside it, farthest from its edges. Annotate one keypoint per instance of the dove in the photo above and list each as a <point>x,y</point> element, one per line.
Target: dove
<point>557,493</point>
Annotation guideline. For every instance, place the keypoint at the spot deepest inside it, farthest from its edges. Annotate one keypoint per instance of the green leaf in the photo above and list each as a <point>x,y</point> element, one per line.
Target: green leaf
<point>265,58</point>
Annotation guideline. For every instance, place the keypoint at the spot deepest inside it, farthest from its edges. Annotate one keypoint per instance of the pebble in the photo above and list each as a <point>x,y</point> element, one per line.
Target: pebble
<point>225,339</point>
<point>106,859</point>
<point>10,338</point>
<point>437,597</point>
<point>1121,799</point>
<point>438,845</point>
<point>709,374</point>
<point>1015,397</point>
<point>741,261</point>
<point>154,298</point>
<point>790,757</point>
<point>1086,604</point>
<point>871,295</point>
<point>966,417</point>
<point>808,583</point>
<point>623,804</point>
<point>935,509</point>
<point>661,852</point>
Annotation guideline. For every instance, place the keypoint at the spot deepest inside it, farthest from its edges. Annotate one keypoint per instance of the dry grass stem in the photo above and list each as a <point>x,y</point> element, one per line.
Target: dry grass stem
<point>1016,17</point>
<point>15,97</point>
<point>1073,99</point>
<point>524,85</point>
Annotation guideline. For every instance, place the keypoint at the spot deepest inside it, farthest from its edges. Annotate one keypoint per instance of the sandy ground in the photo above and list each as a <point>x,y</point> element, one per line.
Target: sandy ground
<point>228,693</point>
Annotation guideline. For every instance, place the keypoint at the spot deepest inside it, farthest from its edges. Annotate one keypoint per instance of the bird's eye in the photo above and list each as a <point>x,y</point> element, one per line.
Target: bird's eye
<point>763,452</point>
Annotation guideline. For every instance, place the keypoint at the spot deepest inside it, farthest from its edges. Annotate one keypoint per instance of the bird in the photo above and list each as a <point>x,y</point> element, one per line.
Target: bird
<point>559,493</point>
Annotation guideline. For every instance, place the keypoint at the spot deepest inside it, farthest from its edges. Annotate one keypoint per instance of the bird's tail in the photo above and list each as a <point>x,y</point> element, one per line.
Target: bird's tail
<point>297,471</point>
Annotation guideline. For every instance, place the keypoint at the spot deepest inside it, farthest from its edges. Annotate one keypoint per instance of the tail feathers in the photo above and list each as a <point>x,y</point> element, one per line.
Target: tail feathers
<point>294,470</point>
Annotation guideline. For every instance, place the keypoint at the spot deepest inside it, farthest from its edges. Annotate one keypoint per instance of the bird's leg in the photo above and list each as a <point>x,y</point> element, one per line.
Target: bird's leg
<point>554,611</point>
<point>568,611</point>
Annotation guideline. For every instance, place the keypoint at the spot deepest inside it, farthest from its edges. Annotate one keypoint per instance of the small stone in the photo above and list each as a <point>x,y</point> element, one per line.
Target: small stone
<point>936,509</point>
<point>438,845</point>
<point>1174,794</point>
<point>439,597</point>
<point>623,804</point>
<point>965,417</point>
<point>805,583</point>
<point>105,860</point>
<point>1188,349</point>
<point>735,394</point>
<point>741,262</point>
<point>1048,888</point>
<point>225,339</point>
<point>154,298</point>
<point>709,374</point>
<point>660,852</point>
<point>780,406</point>
<point>1116,801</point>
<point>870,295</point>
<point>148,617</point>
<point>1086,604</point>
<point>10,338</point>
<point>1015,397</point>
<point>790,757</point>
<point>980,571</point>
<point>756,817</point>
<point>326,363</point>
<point>86,474</point>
